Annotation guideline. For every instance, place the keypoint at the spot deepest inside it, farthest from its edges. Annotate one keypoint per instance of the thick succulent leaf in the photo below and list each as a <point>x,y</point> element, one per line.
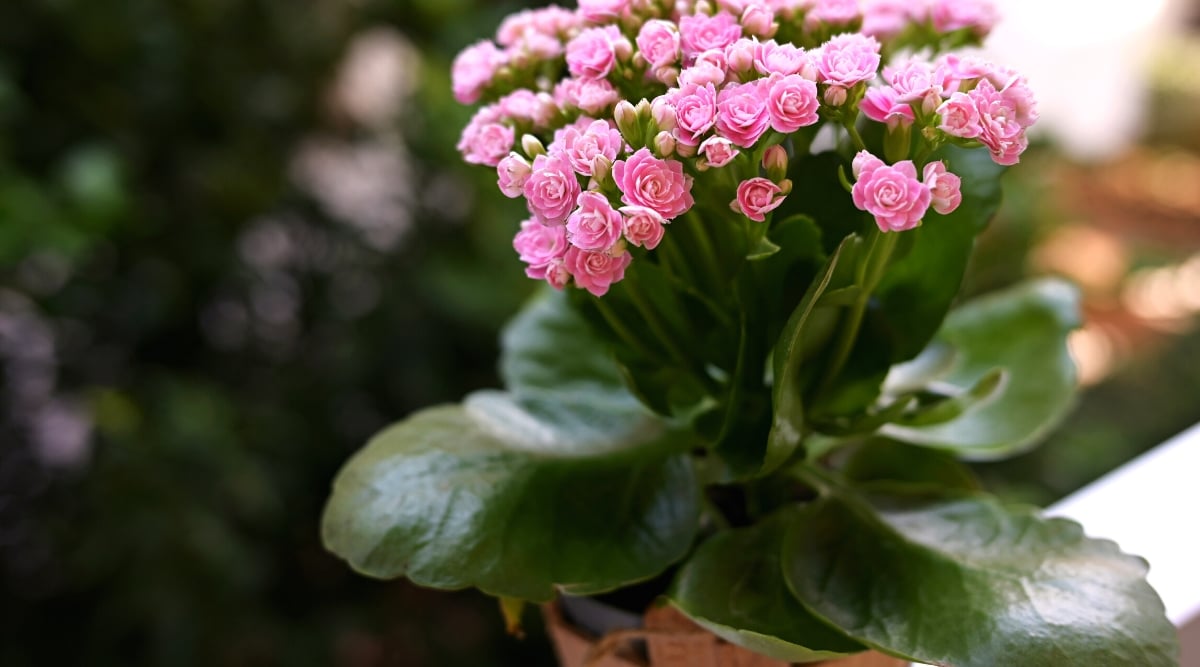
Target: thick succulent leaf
<point>1022,332</point>
<point>733,586</point>
<point>968,582</point>
<point>501,493</point>
<point>885,461</point>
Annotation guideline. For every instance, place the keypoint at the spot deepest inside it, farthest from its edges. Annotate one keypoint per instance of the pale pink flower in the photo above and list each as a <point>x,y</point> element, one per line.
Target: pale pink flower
<point>512,172</point>
<point>596,271</point>
<point>893,195</point>
<point>958,70</point>
<point>771,58</point>
<point>848,59</point>
<point>538,246</point>
<point>1000,129</point>
<point>739,56</point>
<point>657,184</point>
<point>915,81</point>
<point>551,190</point>
<point>592,96</point>
<point>882,105</point>
<point>945,188</point>
<point>486,142</point>
<point>527,106</point>
<point>864,162</point>
<point>832,13</point>
<point>557,275</point>
<point>699,33</point>
<point>643,226</point>
<point>756,197</point>
<point>959,117</point>
<point>658,42</point>
<point>532,48</point>
<point>759,20</point>
<point>474,69</point>
<point>581,145</point>
<point>703,73</point>
<point>695,112</point>
<point>887,18</point>
<point>791,102</point>
<point>979,16</point>
<point>595,225</point>
<point>597,11</point>
<point>742,113</point>
<point>593,52</point>
<point>718,151</point>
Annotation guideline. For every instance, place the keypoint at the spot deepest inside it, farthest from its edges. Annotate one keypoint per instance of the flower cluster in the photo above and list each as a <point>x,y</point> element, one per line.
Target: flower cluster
<point>606,118</point>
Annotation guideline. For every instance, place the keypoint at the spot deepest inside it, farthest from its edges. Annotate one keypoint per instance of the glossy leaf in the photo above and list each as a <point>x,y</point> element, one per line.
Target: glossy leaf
<point>1022,332</point>
<point>886,461</point>
<point>733,586</point>
<point>969,582</point>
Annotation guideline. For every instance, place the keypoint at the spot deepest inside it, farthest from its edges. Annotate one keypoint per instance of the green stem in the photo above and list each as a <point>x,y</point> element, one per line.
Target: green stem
<point>707,254</point>
<point>661,331</point>
<point>622,331</point>
<point>870,273</point>
<point>854,135</point>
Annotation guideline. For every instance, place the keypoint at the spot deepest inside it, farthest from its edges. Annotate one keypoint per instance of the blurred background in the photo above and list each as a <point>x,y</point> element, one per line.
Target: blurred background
<point>236,239</point>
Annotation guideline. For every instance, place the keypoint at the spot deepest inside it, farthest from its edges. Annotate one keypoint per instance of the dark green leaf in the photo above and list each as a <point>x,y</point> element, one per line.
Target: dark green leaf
<point>733,586</point>
<point>969,582</point>
<point>1021,331</point>
<point>880,460</point>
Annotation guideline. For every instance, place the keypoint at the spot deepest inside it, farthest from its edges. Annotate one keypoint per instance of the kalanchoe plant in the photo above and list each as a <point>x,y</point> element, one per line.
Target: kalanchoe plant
<point>754,217</point>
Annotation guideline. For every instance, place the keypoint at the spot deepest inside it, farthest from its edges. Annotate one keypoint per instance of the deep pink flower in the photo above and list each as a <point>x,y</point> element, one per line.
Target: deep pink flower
<point>848,59</point>
<point>756,197</point>
<point>538,245</point>
<point>595,225</point>
<point>596,271</point>
<point>661,185</point>
<point>593,52</point>
<point>551,190</point>
<point>643,226</point>
<point>718,151</point>
<point>695,112</point>
<point>742,112</point>
<point>658,42</point>
<point>893,195</point>
<point>473,70</point>
<point>945,188</point>
<point>699,33</point>
<point>581,145</point>
<point>512,172</point>
<point>791,102</point>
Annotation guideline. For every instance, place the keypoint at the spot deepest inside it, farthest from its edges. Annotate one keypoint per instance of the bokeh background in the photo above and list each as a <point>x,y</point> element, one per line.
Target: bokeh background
<point>235,240</point>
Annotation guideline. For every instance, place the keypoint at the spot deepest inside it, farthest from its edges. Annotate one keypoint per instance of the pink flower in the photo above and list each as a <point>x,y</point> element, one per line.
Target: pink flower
<point>581,146</point>
<point>718,151</point>
<point>557,274</point>
<point>643,226</point>
<point>742,113</point>
<point>473,70</point>
<point>695,112</point>
<point>893,195</point>
<point>887,18</point>
<point>703,73</point>
<point>597,11</point>
<point>592,96</point>
<point>979,16</point>
<point>538,245</point>
<point>485,142</point>
<point>959,117</point>
<point>551,190</point>
<point>593,52</point>
<point>759,20</point>
<point>832,12</point>
<point>512,172</point>
<point>915,81</point>
<point>658,42</point>
<point>699,33</point>
<point>881,104</point>
<point>1000,129</point>
<point>527,106</point>
<point>791,102</point>
<point>945,188</point>
<point>596,271</point>
<point>772,58</point>
<point>661,185</point>
<point>756,197</point>
<point>848,59</point>
<point>864,162</point>
<point>739,56</point>
<point>595,225</point>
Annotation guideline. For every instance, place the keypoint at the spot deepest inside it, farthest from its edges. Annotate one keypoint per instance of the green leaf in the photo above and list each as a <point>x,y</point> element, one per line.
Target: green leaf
<point>880,460</point>
<point>762,249</point>
<point>919,287</point>
<point>733,586</point>
<point>501,493</point>
<point>787,428</point>
<point>1021,331</point>
<point>969,582</point>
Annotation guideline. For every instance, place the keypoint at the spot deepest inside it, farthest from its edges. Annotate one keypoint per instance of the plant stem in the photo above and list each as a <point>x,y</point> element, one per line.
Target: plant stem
<point>622,331</point>
<point>854,135</point>
<point>700,233</point>
<point>870,273</point>
<point>660,330</point>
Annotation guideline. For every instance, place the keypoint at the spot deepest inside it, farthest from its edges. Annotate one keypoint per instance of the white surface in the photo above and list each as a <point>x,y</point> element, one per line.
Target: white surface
<point>1150,508</point>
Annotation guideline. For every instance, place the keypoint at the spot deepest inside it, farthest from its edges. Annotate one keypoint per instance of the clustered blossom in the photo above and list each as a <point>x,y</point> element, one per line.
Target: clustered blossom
<point>609,120</point>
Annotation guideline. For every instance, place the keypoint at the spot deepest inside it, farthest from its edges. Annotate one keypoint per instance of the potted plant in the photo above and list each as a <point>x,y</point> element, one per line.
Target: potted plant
<point>745,382</point>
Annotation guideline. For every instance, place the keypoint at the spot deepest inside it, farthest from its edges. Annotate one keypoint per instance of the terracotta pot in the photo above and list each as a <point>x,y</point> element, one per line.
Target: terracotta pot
<point>667,638</point>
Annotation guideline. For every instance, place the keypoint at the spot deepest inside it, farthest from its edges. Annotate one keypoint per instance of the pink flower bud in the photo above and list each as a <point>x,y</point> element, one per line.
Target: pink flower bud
<point>664,144</point>
<point>739,56</point>
<point>512,172</point>
<point>532,146</point>
<point>658,43</point>
<point>756,197</point>
<point>865,162</point>
<point>775,161</point>
<point>718,151</point>
<point>556,274</point>
<point>663,113</point>
<point>626,118</point>
<point>835,96</point>
<point>643,226</point>
<point>945,188</point>
<point>758,20</point>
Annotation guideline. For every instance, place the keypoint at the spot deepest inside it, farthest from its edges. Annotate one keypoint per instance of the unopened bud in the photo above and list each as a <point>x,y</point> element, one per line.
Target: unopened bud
<point>785,186</point>
<point>532,146</point>
<point>664,144</point>
<point>626,118</point>
<point>623,49</point>
<point>739,56</point>
<point>663,114</point>
<point>684,150</point>
<point>667,75</point>
<point>704,7</point>
<point>835,96</point>
<point>601,169</point>
<point>775,161</point>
